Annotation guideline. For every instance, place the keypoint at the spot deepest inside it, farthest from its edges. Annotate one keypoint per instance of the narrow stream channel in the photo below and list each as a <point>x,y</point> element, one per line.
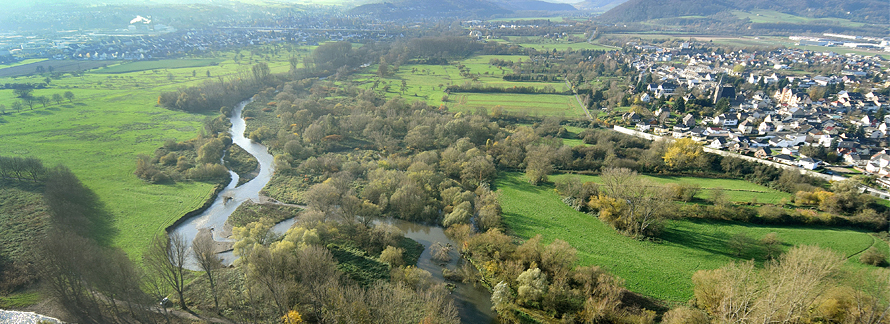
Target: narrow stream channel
<point>473,303</point>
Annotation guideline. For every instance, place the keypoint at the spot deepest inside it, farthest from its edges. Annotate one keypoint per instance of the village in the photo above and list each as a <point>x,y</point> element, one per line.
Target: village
<point>833,123</point>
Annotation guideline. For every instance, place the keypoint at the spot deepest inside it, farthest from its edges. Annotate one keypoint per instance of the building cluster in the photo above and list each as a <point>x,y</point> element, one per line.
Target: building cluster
<point>852,128</point>
<point>139,42</point>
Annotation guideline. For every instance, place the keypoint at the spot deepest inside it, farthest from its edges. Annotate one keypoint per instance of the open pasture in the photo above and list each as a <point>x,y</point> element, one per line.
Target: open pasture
<point>735,190</point>
<point>662,269</point>
<point>772,16</point>
<point>520,104</point>
<point>112,119</point>
<point>137,66</point>
<point>64,66</point>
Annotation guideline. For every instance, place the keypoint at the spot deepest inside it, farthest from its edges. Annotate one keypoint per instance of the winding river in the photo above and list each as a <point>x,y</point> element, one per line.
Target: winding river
<point>473,303</point>
<point>214,218</point>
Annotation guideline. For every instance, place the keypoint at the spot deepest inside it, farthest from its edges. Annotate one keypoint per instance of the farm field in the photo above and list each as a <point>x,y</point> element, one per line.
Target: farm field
<point>114,118</point>
<point>137,66</point>
<point>553,19</point>
<point>562,46</point>
<point>771,16</point>
<point>739,191</point>
<point>56,65</point>
<point>23,62</point>
<point>664,269</point>
<point>428,82</point>
<point>521,104</point>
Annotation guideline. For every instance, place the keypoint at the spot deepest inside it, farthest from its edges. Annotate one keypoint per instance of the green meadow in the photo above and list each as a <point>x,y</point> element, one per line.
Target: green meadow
<point>735,190</point>
<point>662,269</point>
<point>137,66</point>
<point>114,118</point>
<point>22,62</point>
<point>540,105</point>
<point>428,83</point>
<point>772,16</point>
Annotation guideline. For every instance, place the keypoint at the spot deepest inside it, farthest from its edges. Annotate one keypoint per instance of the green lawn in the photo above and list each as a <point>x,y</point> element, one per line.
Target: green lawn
<point>659,269</point>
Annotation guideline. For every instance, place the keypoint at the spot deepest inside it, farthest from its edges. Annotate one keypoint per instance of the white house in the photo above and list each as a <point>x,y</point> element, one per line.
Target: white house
<point>877,162</point>
<point>808,163</point>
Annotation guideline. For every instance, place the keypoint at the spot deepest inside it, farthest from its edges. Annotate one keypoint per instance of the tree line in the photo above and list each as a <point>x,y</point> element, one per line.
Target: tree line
<point>22,169</point>
<point>469,87</point>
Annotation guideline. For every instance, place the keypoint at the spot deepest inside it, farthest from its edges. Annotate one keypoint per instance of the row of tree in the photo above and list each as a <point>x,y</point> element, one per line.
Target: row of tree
<point>21,169</point>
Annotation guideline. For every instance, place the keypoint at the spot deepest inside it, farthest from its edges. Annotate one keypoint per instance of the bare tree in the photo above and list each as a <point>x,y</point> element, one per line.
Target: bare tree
<point>166,257</point>
<point>202,249</point>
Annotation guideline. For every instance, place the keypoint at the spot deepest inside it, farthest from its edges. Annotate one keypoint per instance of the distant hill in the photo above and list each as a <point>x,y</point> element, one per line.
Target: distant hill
<point>873,11</point>
<point>429,8</point>
<point>599,5</point>
<point>535,5</point>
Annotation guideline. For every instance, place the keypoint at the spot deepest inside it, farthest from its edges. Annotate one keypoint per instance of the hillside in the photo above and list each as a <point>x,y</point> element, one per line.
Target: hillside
<point>402,9</point>
<point>535,5</point>
<point>856,10</point>
<point>599,5</point>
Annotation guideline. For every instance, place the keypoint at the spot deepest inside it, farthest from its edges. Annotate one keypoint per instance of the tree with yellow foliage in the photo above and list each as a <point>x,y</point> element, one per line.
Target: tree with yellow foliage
<point>682,153</point>
<point>292,317</point>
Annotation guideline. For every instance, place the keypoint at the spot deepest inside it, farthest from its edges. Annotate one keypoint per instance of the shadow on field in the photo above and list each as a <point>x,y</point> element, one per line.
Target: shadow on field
<point>76,208</point>
<point>43,112</point>
<point>53,109</point>
<point>712,243</point>
<point>518,182</point>
<point>80,104</point>
<point>718,242</point>
<point>67,106</point>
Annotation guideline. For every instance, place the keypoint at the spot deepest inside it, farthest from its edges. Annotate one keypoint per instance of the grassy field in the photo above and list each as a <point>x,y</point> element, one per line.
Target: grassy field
<point>573,139</point>
<point>771,16</point>
<point>428,82</point>
<point>552,19</point>
<point>137,66</point>
<point>113,118</point>
<point>22,62</point>
<point>562,46</point>
<point>734,189</point>
<point>519,104</point>
<point>659,269</point>
<point>23,215</point>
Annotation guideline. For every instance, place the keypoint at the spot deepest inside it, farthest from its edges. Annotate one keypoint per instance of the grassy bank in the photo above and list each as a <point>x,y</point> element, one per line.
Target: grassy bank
<point>659,269</point>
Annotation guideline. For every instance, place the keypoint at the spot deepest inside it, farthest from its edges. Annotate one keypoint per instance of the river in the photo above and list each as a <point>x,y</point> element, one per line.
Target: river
<point>473,303</point>
<point>214,218</point>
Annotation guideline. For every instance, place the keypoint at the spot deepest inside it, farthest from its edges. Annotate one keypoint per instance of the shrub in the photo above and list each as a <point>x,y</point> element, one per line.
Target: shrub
<point>684,315</point>
<point>874,257</point>
<point>208,171</point>
<point>392,255</point>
